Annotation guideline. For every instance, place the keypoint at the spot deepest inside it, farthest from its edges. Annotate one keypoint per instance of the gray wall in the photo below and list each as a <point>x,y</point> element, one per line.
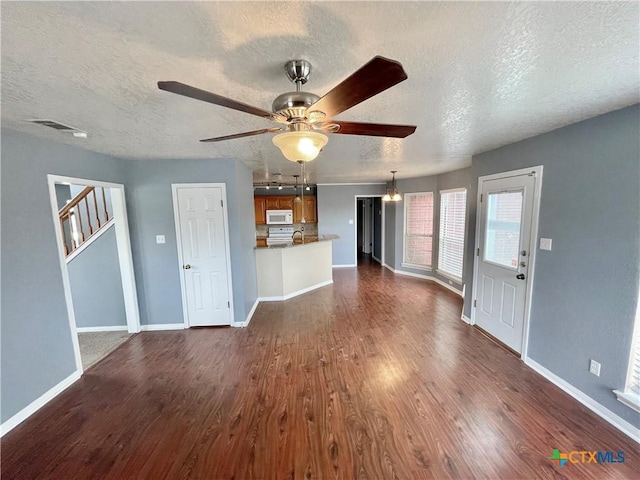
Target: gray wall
<point>36,349</point>
<point>394,245</point>
<point>96,284</point>
<point>150,208</point>
<point>586,289</point>
<point>336,206</point>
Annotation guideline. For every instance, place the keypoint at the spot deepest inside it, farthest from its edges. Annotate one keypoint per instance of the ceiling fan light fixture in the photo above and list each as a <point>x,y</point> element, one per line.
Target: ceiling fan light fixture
<point>300,146</point>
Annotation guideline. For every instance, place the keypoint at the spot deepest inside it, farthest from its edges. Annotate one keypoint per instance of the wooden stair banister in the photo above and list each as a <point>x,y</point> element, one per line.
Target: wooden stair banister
<point>76,230</point>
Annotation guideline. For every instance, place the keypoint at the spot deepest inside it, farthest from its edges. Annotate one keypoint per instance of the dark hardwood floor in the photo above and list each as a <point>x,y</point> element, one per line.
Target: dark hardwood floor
<point>374,377</point>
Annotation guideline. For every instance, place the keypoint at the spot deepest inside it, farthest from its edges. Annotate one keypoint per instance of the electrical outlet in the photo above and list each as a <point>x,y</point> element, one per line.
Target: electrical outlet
<point>594,367</point>
<point>160,239</point>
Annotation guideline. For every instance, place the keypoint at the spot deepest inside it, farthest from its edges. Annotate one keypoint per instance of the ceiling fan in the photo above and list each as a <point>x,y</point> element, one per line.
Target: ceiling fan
<point>304,116</point>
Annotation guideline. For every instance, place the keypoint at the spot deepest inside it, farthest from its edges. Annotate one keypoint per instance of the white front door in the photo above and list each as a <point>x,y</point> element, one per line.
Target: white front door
<point>203,247</point>
<point>505,219</point>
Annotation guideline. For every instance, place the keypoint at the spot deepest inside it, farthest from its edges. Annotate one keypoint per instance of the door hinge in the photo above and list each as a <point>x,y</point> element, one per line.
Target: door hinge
<point>481,198</point>
<point>475,303</point>
<point>477,252</point>
<point>222,203</point>
<point>228,304</point>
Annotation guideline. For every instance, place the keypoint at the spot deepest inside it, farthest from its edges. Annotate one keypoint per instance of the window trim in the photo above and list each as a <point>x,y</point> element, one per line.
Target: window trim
<point>439,270</point>
<point>426,268</point>
<point>627,396</point>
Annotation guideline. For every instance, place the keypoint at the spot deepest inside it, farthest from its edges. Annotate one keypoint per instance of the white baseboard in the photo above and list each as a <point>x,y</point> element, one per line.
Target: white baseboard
<point>162,326</point>
<point>38,403</point>
<point>114,328</point>
<point>465,319</point>
<point>424,277</point>
<point>618,422</point>
<point>376,258</point>
<point>249,316</point>
<point>344,266</point>
<point>295,294</point>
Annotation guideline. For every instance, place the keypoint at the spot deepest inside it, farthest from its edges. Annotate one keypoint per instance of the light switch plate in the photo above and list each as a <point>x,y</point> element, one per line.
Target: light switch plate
<point>351,221</point>
<point>545,244</point>
<point>160,239</point>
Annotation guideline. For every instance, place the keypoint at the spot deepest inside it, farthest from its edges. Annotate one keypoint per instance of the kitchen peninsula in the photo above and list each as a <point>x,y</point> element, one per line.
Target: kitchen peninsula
<point>285,271</point>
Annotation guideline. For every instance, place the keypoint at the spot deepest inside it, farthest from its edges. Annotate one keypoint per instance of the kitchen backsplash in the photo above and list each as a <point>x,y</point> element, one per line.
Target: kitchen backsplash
<point>309,229</point>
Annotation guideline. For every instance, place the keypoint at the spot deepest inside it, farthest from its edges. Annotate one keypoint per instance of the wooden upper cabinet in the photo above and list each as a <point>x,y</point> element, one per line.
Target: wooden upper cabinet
<point>260,208</point>
<point>285,202</point>
<point>272,203</point>
<point>310,209</point>
<point>310,216</point>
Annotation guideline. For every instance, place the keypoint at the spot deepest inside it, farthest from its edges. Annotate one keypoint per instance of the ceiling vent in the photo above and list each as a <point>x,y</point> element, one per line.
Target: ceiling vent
<point>60,126</point>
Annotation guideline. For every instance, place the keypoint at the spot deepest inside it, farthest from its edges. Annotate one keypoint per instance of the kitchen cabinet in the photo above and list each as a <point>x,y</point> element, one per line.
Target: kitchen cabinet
<point>272,203</point>
<point>285,202</point>
<point>279,202</point>
<point>310,215</point>
<point>260,208</point>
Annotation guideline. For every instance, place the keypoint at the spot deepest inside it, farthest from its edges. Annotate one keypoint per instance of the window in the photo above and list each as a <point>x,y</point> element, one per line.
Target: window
<point>418,230</point>
<point>504,220</point>
<point>453,206</point>
<point>631,394</point>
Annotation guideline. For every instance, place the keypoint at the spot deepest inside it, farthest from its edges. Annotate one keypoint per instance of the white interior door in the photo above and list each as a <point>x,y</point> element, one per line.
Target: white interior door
<point>505,229</point>
<point>202,243</point>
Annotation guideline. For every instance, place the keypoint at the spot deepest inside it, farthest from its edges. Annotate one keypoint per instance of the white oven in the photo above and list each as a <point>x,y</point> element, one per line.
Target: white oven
<point>279,217</point>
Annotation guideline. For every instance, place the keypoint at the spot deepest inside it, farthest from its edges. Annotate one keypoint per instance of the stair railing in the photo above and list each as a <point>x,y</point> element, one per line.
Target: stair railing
<point>73,221</point>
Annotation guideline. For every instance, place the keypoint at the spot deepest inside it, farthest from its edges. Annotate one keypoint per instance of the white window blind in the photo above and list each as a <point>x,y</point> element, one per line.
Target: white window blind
<point>418,229</point>
<point>630,396</point>
<point>453,206</point>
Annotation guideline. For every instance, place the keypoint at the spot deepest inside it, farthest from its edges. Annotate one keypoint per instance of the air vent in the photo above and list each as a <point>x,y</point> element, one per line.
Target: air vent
<point>60,126</point>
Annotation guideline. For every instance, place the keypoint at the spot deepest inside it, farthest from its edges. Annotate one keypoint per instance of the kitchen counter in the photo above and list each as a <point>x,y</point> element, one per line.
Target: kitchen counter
<point>285,271</point>
<point>298,241</point>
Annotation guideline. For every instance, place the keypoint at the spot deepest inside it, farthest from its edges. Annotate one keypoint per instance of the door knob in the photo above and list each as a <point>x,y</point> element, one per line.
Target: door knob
<point>186,267</point>
<point>520,276</point>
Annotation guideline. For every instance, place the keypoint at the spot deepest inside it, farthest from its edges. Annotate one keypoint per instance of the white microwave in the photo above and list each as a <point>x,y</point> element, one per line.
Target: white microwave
<point>279,217</point>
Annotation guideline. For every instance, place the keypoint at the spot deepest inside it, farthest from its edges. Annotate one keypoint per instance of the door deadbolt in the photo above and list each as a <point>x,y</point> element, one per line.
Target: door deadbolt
<point>523,253</point>
<point>186,267</point>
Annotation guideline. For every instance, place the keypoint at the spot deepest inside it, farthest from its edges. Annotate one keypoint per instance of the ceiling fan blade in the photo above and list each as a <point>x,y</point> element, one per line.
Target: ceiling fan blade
<point>240,135</point>
<point>374,77</point>
<point>373,129</point>
<point>196,93</point>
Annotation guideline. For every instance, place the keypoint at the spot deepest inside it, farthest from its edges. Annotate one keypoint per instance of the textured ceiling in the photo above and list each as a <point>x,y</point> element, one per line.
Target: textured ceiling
<point>481,75</point>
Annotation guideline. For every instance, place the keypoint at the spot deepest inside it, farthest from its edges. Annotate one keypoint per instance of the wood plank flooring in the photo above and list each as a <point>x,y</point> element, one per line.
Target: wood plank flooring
<point>374,377</point>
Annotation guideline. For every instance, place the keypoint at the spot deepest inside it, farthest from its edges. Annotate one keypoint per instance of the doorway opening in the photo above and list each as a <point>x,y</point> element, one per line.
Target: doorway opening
<point>369,229</point>
<point>94,248</point>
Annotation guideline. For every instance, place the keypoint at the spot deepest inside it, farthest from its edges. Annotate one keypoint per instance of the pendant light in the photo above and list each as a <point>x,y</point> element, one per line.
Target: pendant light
<point>297,199</point>
<point>392,194</point>
<point>303,220</point>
